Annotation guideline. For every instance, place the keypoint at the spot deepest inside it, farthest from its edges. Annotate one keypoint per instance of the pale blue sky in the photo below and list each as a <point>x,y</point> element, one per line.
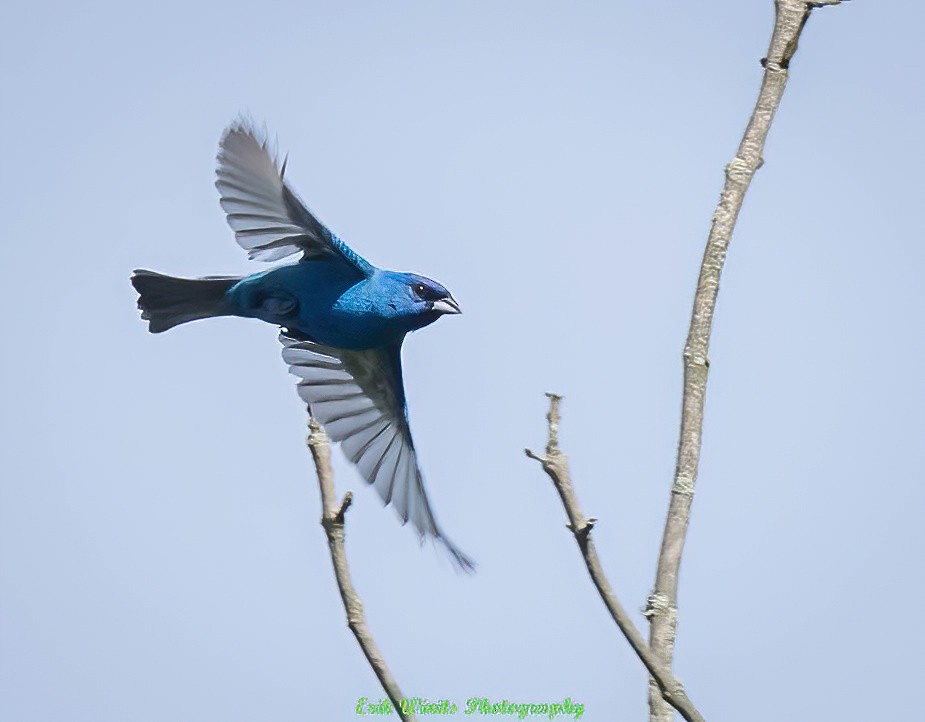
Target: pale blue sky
<point>556,166</point>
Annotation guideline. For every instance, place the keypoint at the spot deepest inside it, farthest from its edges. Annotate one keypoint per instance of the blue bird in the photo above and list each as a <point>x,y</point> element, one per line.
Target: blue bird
<point>342,321</point>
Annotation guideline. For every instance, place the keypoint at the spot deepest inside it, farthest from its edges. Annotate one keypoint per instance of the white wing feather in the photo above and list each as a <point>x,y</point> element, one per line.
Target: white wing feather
<point>353,395</point>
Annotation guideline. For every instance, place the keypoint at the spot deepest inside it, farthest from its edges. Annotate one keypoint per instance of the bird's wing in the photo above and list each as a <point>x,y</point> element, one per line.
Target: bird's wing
<point>268,219</point>
<point>359,399</point>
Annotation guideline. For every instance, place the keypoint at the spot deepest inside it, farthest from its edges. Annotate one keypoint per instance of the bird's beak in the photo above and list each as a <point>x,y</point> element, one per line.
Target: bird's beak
<point>446,305</point>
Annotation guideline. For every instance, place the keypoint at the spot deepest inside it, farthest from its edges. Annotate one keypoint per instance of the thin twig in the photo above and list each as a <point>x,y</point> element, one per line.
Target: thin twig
<point>555,464</point>
<point>332,519</point>
<point>790,18</point>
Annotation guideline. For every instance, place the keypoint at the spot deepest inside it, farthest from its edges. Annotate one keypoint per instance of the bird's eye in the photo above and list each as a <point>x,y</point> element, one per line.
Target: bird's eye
<point>420,289</point>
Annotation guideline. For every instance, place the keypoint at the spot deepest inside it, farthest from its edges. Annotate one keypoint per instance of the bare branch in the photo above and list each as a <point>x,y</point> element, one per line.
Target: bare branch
<point>555,464</point>
<point>790,19</point>
<point>332,519</point>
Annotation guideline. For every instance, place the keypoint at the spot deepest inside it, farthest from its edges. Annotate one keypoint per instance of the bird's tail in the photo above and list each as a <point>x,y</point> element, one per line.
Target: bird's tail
<point>166,301</point>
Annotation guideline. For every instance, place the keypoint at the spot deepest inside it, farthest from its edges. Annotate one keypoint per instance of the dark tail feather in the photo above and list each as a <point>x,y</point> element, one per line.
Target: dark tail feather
<point>166,301</point>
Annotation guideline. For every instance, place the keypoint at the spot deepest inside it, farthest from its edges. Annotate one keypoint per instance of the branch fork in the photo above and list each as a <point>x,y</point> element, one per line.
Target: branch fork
<point>555,464</point>
<point>661,605</point>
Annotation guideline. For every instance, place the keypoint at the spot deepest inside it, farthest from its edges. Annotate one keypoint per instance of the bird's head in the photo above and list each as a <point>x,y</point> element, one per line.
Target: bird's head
<point>418,300</point>
<point>428,296</point>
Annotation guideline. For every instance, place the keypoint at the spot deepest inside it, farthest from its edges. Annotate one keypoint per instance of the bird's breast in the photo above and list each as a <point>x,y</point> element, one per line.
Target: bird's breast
<point>349,327</point>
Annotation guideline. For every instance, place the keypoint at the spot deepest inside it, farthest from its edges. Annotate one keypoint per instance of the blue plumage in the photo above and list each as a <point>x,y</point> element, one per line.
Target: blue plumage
<point>343,321</point>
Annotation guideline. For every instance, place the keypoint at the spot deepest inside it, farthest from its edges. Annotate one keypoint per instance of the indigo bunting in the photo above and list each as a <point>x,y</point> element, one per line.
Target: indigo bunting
<point>342,321</point>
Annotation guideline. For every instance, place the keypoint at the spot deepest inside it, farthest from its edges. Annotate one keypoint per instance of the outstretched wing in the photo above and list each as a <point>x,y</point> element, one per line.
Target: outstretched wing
<point>359,398</point>
<point>268,219</point>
